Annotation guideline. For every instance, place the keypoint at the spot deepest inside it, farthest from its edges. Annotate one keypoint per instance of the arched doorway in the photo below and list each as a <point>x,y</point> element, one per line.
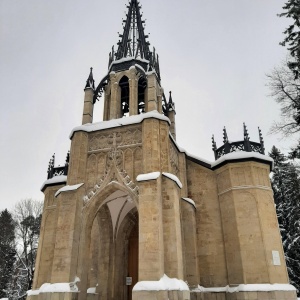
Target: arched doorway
<point>111,247</point>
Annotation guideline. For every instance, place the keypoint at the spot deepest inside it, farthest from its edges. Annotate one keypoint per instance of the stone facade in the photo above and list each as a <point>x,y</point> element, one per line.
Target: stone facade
<point>134,206</point>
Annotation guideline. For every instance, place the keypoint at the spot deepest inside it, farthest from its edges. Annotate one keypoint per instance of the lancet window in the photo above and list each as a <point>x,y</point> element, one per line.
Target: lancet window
<point>124,85</point>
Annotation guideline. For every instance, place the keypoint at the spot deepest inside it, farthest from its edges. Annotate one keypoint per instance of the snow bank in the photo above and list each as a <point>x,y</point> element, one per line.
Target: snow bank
<point>247,288</point>
<point>90,127</point>
<point>68,188</point>
<point>189,201</point>
<point>65,287</point>
<point>174,178</point>
<point>242,155</point>
<point>148,176</point>
<point>54,180</point>
<point>164,284</point>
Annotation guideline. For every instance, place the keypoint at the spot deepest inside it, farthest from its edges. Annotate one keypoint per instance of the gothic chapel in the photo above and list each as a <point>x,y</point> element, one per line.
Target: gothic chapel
<point>131,215</point>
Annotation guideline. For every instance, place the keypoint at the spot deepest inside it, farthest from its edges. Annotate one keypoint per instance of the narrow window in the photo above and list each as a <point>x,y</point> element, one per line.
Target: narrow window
<point>124,85</point>
<point>142,84</point>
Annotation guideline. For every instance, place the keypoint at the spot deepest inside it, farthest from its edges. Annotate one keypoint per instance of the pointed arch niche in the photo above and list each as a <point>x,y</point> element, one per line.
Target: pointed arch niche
<point>109,244</point>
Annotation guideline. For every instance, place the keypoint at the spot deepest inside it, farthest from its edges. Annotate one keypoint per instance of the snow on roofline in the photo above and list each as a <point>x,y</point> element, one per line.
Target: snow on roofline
<point>136,119</point>
<point>124,59</point>
<point>206,162</point>
<point>68,188</point>
<point>241,155</point>
<point>247,288</point>
<point>55,180</point>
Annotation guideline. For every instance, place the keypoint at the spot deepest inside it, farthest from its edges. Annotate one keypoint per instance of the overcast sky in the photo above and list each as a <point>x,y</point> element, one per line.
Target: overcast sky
<point>214,55</point>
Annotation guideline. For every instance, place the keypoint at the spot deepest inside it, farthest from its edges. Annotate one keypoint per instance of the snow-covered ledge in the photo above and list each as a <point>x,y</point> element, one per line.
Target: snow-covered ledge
<point>189,201</point>
<point>55,180</point>
<point>68,188</point>
<point>164,284</point>
<point>241,155</point>
<point>174,178</point>
<point>136,119</point>
<point>91,290</point>
<point>64,287</point>
<point>148,176</point>
<point>247,288</point>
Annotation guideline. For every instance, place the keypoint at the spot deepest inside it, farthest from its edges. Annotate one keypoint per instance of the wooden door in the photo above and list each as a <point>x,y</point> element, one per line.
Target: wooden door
<point>133,258</point>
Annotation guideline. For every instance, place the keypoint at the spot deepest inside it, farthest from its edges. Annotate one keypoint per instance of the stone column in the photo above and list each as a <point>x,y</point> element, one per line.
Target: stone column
<point>152,93</point>
<point>115,100</point>
<point>172,228</point>
<point>88,106</point>
<point>67,236</point>
<point>133,93</point>
<point>189,244</point>
<point>78,158</point>
<point>151,245</point>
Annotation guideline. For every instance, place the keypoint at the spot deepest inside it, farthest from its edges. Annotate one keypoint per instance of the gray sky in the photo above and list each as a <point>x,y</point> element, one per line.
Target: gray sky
<point>214,55</point>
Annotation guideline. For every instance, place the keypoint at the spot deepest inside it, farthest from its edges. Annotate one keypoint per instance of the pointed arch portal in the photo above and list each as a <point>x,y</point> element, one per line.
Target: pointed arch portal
<point>109,246</point>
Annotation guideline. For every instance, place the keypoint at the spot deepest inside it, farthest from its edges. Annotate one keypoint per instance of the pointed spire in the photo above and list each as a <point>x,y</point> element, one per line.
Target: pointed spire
<point>133,41</point>
<point>90,83</point>
<point>225,136</point>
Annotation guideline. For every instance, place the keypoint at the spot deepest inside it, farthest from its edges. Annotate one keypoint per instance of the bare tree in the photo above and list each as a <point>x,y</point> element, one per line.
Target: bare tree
<point>286,91</point>
<point>27,215</point>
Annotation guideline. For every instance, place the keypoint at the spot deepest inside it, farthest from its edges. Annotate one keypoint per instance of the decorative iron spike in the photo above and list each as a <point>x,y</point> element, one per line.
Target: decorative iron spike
<point>68,157</point>
<point>261,139</point>
<point>214,145</point>
<point>225,136</point>
<point>246,135</point>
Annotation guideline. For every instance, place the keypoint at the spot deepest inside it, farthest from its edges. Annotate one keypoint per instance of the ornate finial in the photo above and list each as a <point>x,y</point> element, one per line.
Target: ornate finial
<point>246,135</point>
<point>225,136</point>
<point>90,83</point>
<point>170,97</point>
<point>171,104</point>
<point>262,144</point>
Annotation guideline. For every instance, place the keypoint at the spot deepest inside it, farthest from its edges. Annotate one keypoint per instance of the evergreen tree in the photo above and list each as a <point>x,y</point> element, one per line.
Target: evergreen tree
<point>286,187</point>
<point>292,38</point>
<point>7,250</point>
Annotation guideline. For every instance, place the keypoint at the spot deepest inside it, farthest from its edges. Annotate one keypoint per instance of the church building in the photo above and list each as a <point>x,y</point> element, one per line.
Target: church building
<point>131,215</point>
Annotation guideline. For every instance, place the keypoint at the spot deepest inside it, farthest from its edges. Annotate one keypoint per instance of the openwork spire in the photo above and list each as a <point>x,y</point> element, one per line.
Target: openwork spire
<point>133,41</point>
